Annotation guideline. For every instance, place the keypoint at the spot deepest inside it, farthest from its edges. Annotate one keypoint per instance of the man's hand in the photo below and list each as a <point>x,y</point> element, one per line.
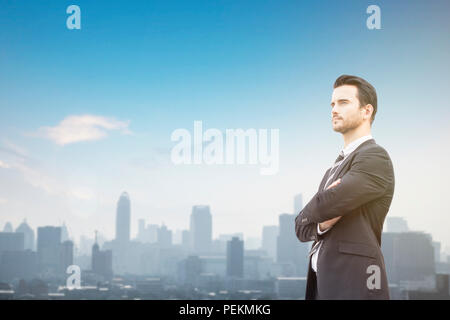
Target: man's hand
<point>334,184</point>
<point>329,223</point>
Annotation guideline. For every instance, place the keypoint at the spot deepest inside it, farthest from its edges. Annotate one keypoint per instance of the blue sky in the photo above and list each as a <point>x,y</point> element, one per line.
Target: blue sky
<point>155,66</point>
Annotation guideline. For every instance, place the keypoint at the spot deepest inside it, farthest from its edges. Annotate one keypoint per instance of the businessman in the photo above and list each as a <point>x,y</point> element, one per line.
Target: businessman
<point>345,217</point>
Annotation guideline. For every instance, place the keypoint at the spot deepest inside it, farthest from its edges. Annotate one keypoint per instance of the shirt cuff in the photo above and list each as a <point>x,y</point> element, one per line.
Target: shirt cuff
<point>321,232</point>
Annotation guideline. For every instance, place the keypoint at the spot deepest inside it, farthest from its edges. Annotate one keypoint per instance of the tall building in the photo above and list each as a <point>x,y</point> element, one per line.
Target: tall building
<point>201,229</point>
<point>147,234</point>
<point>66,255</point>
<point>409,256</point>
<point>414,256</point>
<point>11,241</point>
<point>141,230</point>
<point>235,258</point>
<point>64,232</point>
<point>292,254</point>
<point>437,251</point>
<point>28,234</point>
<point>18,265</point>
<point>48,249</point>
<point>123,217</point>
<point>396,224</point>
<point>101,261</point>
<point>8,227</point>
<point>219,245</point>
<point>269,240</point>
<point>164,236</point>
<point>152,233</point>
<point>298,204</point>
<point>95,251</point>
<point>11,257</point>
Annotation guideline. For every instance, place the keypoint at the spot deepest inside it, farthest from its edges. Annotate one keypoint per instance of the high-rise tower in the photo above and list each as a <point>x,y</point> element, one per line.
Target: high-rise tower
<point>201,229</point>
<point>123,219</point>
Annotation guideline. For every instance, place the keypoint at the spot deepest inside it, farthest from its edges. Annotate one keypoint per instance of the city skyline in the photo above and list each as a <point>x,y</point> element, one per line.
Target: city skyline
<point>124,196</point>
<point>395,224</point>
<point>152,266</point>
<point>89,113</point>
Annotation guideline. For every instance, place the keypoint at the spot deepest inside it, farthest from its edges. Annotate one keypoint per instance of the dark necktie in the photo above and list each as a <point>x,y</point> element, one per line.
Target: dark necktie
<point>334,168</point>
<point>340,157</point>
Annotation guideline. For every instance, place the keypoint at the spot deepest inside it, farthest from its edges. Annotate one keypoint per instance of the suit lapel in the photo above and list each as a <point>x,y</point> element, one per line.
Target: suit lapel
<point>344,164</point>
<point>324,180</point>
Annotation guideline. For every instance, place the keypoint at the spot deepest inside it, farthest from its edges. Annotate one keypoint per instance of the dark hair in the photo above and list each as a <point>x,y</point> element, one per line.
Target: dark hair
<point>366,92</point>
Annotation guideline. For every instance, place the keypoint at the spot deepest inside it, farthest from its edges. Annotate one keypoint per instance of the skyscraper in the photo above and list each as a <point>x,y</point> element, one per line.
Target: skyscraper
<point>201,229</point>
<point>64,232</point>
<point>409,256</point>
<point>48,249</point>
<point>123,217</point>
<point>291,253</point>
<point>235,257</point>
<point>10,241</point>
<point>141,230</point>
<point>164,237</point>
<point>269,240</point>
<point>437,251</point>
<point>66,255</point>
<point>101,262</point>
<point>396,224</point>
<point>28,235</point>
<point>8,227</point>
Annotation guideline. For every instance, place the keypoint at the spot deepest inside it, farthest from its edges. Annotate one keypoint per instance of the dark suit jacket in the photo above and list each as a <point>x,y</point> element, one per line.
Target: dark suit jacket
<point>353,244</point>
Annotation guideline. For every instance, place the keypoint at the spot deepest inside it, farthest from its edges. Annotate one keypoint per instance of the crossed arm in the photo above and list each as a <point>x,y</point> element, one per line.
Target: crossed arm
<point>368,178</point>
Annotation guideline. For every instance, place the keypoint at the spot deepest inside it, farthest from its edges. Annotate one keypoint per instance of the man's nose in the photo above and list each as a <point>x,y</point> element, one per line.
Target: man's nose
<point>334,112</point>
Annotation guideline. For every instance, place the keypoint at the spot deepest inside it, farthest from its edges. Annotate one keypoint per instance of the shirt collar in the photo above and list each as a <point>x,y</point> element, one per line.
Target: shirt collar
<point>355,144</point>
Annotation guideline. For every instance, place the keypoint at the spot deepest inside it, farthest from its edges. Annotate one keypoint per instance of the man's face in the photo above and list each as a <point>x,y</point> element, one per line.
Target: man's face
<point>346,113</point>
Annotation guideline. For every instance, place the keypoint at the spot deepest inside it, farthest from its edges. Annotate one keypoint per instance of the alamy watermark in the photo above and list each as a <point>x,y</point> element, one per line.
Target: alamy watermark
<point>236,146</point>
<point>374,20</point>
<point>74,279</point>
<point>74,20</point>
<point>374,280</point>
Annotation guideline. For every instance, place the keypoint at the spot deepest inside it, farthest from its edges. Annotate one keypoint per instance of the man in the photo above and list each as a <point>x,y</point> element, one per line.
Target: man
<point>345,217</point>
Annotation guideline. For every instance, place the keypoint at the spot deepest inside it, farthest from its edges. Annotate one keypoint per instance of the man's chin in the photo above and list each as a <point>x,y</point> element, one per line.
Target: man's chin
<point>338,129</point>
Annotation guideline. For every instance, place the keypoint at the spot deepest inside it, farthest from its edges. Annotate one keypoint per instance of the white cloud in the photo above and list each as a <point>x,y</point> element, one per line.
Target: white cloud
<point>12,148</point>
<point>82,128</point>
<point>3,200</point>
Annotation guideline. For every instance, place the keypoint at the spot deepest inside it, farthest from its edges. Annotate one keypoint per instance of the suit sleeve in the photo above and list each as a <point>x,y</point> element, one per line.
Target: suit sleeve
<point>306,232</point>
<point>368,178</point>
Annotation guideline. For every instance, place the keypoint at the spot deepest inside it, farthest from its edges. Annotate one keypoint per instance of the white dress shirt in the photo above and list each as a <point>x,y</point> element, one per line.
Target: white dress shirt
<point>346,151</point>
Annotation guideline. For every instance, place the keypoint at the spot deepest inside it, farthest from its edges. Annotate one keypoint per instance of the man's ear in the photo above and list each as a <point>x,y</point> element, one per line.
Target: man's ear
<point>368,110</point>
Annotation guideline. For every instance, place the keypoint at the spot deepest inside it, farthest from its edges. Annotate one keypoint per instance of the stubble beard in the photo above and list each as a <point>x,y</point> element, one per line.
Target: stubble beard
<point>347,125</point>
